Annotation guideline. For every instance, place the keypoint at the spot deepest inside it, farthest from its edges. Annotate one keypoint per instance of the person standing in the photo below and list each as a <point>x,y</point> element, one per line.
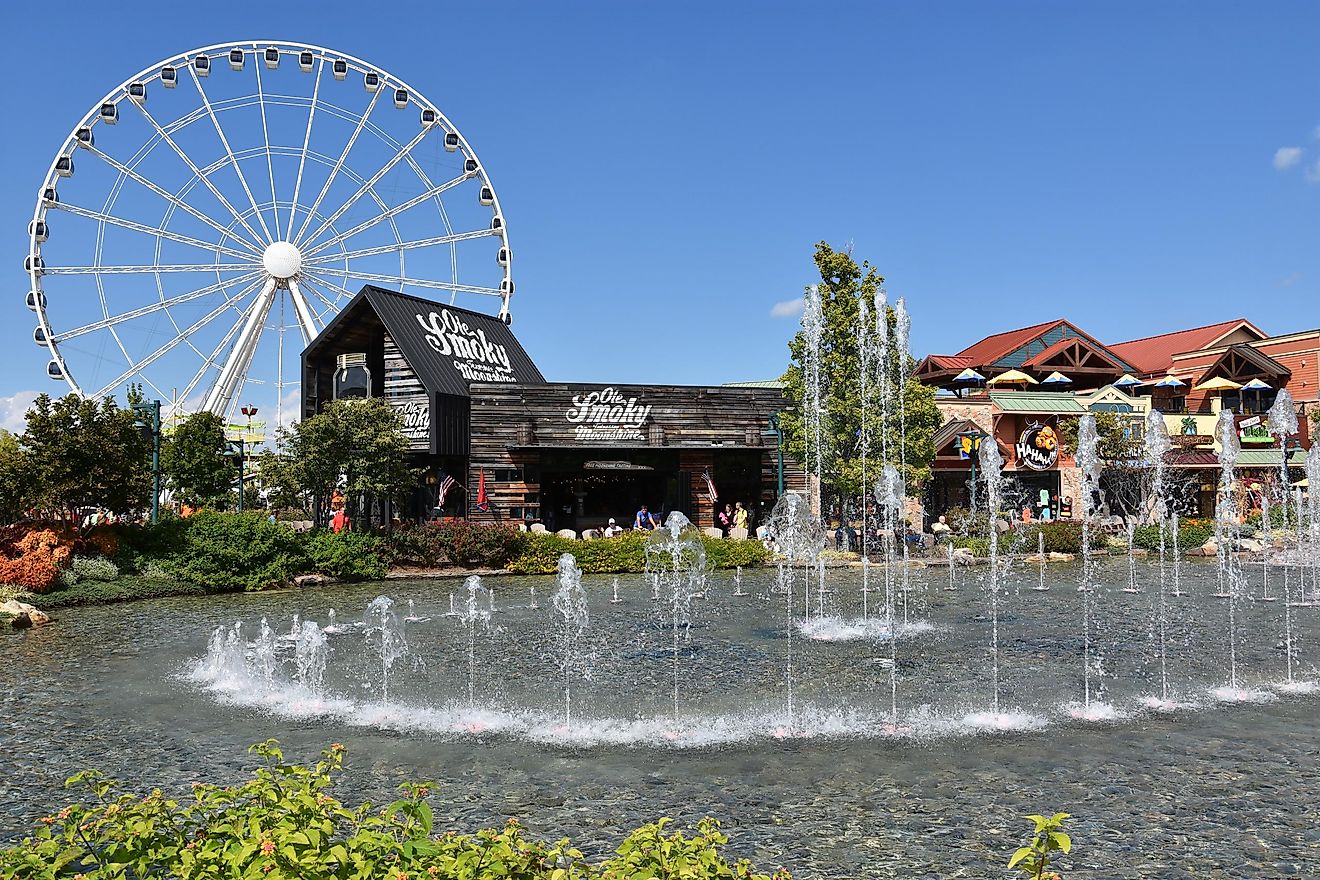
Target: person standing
<point>725,519</point>
<point>740,516</point>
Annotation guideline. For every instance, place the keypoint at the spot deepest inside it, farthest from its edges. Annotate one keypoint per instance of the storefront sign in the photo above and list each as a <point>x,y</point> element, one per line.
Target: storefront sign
<point>1038,447</point>
<point>1253,431</point>
<point>607,415</point>
<point>475,357</point>
<point>416,414</point>
<point>1191,440</point>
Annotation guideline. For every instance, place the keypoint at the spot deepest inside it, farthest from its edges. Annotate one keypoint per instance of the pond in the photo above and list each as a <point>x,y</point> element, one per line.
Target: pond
<point>693,719</point>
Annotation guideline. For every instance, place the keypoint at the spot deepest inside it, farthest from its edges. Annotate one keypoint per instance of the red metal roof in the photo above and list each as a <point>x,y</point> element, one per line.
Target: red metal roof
<point>949,361</point>
<point>1154,354</point>
<point>992,348</point>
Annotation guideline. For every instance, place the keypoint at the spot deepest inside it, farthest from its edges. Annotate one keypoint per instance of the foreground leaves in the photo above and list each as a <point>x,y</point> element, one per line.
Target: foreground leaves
<point>283,823</point>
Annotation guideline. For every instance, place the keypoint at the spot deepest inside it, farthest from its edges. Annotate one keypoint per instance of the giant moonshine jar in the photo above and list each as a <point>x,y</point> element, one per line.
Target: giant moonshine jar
<point>352,378</point>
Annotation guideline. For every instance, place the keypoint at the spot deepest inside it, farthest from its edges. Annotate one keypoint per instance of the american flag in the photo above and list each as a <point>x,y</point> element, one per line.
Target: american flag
<point>710,487</point>
<point>446,483</point>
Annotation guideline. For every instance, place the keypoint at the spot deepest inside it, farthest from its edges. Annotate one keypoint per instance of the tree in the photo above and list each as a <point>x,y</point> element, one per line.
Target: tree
<point>842,286</point>
<point>195,462</point>
<point>15,479</point>
<point>1121,445</point>
<point>356,446</point>
<point>82,452</point>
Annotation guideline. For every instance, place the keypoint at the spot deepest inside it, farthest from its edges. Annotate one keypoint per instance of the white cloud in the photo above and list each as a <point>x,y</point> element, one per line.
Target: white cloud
<point>789,308</point>
<point>1286,157</point>
<point>13,410</point>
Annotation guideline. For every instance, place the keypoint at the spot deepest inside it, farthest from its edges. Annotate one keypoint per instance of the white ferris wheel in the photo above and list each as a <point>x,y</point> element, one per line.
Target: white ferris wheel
<point>209,216</point>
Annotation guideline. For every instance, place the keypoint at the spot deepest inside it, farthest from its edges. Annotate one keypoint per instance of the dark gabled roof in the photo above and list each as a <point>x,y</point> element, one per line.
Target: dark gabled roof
<point>1260,360</point>
<point>947,432</point>
<point>448,347</point>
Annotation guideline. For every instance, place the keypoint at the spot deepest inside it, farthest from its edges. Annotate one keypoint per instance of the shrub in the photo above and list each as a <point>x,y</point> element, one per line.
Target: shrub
<point>1191,533</point>
<point>489,545</point>
<point>725,553</point>
<point>283,824</point>
<point>126,588</point>
<point>32,559</point>
<point>1060,537</point>
<point>964,522</point>
<point>93,568</point>
<point>350,556</point>
<point>622,553</point>
<point>235,551</point>
<point>978,546</point>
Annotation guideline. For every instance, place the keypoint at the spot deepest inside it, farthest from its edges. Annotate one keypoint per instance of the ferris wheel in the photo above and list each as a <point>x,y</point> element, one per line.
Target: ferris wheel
<point>208,216</point>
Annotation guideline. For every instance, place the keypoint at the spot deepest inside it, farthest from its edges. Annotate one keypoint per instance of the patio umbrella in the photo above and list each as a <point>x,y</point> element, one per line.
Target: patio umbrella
<point>1218,383</point>
<point>969,375</point>
<point>1013,377</point>
<point>1056,378</point>
<point>1127,380</point>
<point>1171,382</point>
<point>1257,386</point>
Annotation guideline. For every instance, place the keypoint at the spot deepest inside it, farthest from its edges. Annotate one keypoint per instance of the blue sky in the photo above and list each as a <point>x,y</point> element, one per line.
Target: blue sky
<point>666,168</point>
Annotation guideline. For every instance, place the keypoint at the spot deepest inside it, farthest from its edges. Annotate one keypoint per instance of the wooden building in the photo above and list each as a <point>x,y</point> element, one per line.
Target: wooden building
<point>477,409</point>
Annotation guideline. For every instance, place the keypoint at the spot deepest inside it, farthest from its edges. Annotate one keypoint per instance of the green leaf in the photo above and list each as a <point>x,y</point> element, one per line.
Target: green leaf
<point>1018,856</point>
<point>1061,840</point>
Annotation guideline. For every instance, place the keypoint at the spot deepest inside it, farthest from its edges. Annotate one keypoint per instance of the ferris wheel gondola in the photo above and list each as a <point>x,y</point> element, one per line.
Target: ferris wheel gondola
<point>230,208</point>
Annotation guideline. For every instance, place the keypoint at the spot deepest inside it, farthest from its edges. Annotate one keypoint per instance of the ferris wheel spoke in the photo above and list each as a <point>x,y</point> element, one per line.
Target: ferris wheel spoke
<point>328,222</point>
<point>215,121</point>
<point>339,163</point>
<point>236,366</point>
<point>386,215</point>
<point>403,245</point>
<point>165,349</point>
<point>152,230</point>
<point>174,200</point>
<point>153,308</point>
<point>270,166</point>
<point>306,323</point>
<point>307,140</point>
<point>416,282</point>
<point>330,306</point>
<point>211,361</point>
<point>147,270</point>
<point>192,166</point>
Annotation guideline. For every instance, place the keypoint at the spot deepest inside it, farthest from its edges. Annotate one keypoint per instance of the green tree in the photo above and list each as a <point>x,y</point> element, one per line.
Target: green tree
<point>86,453</point>
<point>15,478</point>
<point>843,284</point>
<point>354,445</point>
<point>195,462</point>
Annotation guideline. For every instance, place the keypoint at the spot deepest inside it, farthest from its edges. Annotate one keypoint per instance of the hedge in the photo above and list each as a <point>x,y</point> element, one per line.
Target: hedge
<point>1191,533</point>
<point>623,553</point>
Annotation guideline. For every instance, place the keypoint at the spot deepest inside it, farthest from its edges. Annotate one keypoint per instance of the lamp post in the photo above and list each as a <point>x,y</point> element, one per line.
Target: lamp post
<point>248,411</point>
<point>970,448</point>
<point>147,414</point>
<point>236,448</point>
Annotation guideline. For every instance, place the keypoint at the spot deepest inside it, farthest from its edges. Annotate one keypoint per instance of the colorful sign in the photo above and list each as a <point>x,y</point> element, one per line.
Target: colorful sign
<point>1253,430</point>
<point>968,445</point>
<point>1038,447</point>
<point>607,415</point>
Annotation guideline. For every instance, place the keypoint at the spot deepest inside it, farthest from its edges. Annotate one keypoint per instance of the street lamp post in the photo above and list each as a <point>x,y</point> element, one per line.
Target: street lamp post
<point>248,411</point>
<point>779,449</point>
<point>148,414</point>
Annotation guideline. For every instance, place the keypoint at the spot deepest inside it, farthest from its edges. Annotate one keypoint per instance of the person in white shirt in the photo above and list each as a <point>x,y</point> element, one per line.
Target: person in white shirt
<point>612,529</point>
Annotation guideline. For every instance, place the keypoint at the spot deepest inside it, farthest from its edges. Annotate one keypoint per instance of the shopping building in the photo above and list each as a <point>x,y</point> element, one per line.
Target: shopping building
<point>520,449</point>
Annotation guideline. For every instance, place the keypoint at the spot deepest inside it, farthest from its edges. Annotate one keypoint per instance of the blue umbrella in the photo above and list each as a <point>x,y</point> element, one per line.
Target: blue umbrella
<point>1171,382</point>
<point>969,375</point>
<point>1127,380</point>
<point>1056,378</point>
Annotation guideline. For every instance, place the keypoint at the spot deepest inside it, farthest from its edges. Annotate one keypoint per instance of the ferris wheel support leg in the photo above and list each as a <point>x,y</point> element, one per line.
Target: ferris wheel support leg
<point>306,321</point>
<point>240,357</point>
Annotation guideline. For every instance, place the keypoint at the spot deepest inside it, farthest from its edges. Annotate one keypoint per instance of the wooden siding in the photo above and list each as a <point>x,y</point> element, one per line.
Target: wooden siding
<point>677,431</point>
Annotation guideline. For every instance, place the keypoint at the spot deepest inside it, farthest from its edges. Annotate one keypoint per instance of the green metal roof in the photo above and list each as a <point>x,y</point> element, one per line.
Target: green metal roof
<point>1036,401</point>
<point>760,383</point>
<point>1263,457</point>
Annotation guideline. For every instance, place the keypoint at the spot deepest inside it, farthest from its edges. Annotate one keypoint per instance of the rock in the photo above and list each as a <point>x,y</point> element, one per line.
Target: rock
<point>25,615</point>
<point>963,556</point>
<point>1206,549</point>
<point>1140,551</point>
<point>1002,526</point>
<point>1035,559</point>
<point>1061,557</point>
<point>314,580</point>
<point>1250,545</point>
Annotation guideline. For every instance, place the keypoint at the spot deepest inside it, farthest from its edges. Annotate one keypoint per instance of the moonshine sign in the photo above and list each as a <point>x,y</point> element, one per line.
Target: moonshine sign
<point>1038,447</point>
<point>416,415</point>
<point>607,415</point>
<point>475,357</point>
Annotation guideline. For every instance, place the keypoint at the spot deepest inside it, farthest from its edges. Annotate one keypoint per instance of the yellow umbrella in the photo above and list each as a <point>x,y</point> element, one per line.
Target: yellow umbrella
<point>1219,383</point>
<point>1304,482</point>
<point>1013,377</point>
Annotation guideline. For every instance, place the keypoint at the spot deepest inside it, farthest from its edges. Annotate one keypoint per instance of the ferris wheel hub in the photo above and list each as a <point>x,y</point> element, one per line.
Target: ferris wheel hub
<point>282,260</point>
